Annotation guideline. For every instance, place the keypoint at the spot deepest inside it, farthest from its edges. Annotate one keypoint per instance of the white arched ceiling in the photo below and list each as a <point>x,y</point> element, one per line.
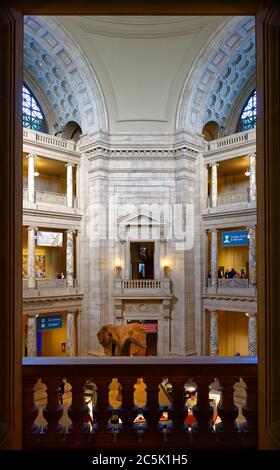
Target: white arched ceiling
<point>222,69</point>
<point>56,63</point>
<point>141,63</point>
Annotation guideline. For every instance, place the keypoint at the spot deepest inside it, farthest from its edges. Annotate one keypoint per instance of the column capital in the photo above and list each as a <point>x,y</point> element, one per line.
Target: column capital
<point>32,228</point>
<point>252,154</point>
<point>122,242</point>
<point>213,164</point>
<point>70,164</point>
<point>71,230</point>
<point>29,155</point>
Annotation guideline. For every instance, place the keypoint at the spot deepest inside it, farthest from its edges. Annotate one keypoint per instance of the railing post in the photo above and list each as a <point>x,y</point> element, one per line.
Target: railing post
<point>202,411</point>
<point>77,412</point>
<point>228,411</point>
<point>250,410</point>
<point>53,411</point>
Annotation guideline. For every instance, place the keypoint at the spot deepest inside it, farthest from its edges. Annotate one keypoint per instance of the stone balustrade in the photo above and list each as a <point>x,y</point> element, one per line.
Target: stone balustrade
<point>50,140</point>
<point>228,198</point>
<point>140,285</point>
<point>232,140</point>
<point>235,282</point>
<point>47,197</point>
<point>117,403</point>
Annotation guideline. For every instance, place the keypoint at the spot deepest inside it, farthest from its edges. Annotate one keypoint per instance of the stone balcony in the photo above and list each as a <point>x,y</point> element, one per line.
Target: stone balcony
<point>143,287</point>
<point>50,201</point>
<point>234,287</point>
<point>228,202</point>
<point>49,288</point>
<point>30,135</point>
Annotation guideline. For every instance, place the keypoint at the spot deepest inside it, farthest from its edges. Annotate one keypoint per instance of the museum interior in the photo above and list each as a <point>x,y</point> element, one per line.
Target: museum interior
<point>139,231</point>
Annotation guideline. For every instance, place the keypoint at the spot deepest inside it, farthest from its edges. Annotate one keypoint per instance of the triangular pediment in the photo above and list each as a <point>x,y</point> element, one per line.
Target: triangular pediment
<point>140,217</point>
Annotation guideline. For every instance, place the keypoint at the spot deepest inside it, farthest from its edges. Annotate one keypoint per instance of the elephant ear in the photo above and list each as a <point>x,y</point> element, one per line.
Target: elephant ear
<point>101,335</point>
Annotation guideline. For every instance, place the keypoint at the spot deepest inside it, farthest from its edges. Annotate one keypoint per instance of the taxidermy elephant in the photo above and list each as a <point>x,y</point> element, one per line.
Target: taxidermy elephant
<point>123,340</point>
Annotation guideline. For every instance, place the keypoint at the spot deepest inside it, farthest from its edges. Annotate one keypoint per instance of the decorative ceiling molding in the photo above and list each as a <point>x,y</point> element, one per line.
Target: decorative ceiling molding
<point>68,70</point>
<point>50,78</point>
<point>141,153</point>
<point>221,49</point>
<point>227,88</point>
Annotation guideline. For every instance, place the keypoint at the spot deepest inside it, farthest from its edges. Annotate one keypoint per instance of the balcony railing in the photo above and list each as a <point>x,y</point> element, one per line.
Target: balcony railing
<point>143,286</point>
<point>228,198</point>
<point>51,140</point>
<point>94,403</point>
<point>46,283</point>
<point>232,140</point>
<point>48,197</point>
<point>235,282</point>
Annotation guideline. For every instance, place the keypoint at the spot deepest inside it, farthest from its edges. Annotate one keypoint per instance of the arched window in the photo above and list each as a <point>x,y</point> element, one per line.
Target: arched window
<point>32,115</point>
<point>248,115</point>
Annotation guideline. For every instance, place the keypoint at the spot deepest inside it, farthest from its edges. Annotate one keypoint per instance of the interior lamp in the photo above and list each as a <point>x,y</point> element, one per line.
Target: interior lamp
<point>36,172</point>
<point>166,269</point>
<point>247,172</point>
<point>118,269</point>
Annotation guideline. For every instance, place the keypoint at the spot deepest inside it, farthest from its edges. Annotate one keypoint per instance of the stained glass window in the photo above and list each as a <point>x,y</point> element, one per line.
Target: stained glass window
<point>32,116</point>
<point>248,115</point>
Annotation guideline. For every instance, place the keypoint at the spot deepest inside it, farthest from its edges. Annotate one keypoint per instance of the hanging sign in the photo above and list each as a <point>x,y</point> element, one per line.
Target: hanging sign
<point>49,322</point>
<point>235,238</point>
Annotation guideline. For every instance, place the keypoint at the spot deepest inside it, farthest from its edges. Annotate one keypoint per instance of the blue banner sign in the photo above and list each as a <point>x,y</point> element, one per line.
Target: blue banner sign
<point>236,238</point>
<point>49,322</point>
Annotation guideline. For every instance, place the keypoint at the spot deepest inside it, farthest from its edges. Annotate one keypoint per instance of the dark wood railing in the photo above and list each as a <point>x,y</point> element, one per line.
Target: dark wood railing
<point>47,405</point>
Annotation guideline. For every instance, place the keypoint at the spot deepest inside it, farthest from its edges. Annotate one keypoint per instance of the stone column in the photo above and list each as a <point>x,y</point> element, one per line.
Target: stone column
<point>31,179</point>
<point>213,333</point>
<point>31,337</point>
<point>70,334</point>
<point>252,335</point>
<point>157,260</point>
<point>70,184</point>
<point>162,254</point>
<point>31,281</point>
<point>214,257</point>
<point>252,162</point>
<point>127,260</point>
<point>252,256</point>
<point>214,184</point>
<point>70,258</point>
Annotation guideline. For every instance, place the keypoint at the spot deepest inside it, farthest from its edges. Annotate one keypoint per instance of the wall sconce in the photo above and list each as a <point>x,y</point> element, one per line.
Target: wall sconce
<point>166,270</point>
<point>247,172</point>
<point>118,269</point>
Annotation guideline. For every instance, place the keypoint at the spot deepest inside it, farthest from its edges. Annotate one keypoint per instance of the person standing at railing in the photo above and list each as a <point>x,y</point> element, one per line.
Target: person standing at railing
<point>227,274</point>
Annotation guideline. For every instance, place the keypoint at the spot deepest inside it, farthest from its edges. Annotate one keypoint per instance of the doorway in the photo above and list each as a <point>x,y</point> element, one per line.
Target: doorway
<point>142,260</point>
